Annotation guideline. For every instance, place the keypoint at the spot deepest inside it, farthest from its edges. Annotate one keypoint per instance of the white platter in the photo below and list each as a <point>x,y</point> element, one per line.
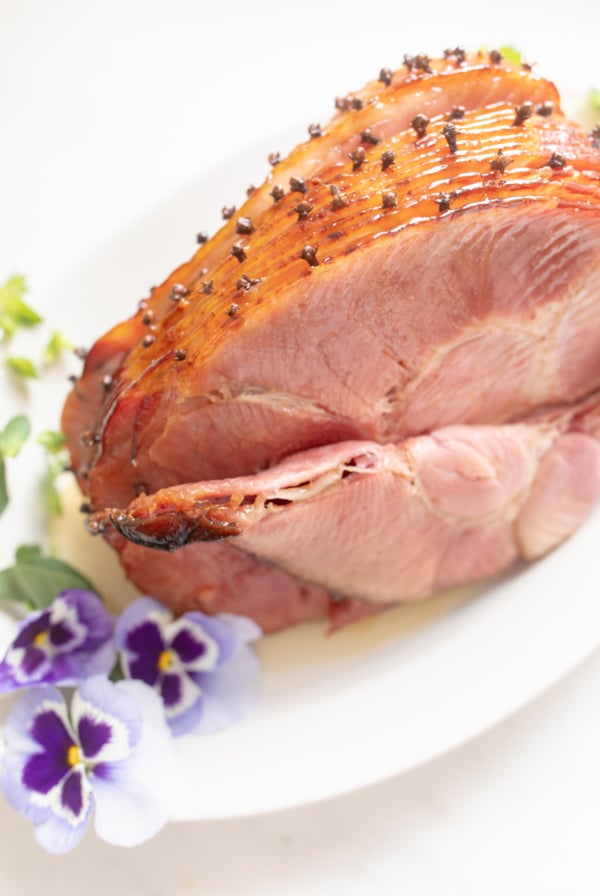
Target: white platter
<point>374,700</point>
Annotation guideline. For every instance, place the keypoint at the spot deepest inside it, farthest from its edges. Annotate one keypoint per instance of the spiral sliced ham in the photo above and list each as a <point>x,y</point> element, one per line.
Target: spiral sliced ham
<point>378,378</point>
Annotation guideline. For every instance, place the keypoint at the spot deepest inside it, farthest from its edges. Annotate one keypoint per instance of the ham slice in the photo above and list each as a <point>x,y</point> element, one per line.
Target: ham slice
<point>392,522</point>
<point>370,384</point>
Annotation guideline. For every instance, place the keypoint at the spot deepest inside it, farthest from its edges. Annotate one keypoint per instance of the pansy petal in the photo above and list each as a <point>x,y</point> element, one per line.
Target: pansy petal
<point>19,746</point>
<point>134,797</point>
<point>187,720</point>
<point>102,702</point>
<point>171,690</point>
<point>72,793</point>
<point>246,630</point>
<point>93,615</point>
<point>95,734</point>
<point>189,642</point>
<point>127,813</point>
<point>230,693</point>
<point>71,631</point>
<point>195,649</point>
<point>43,771</point>
<point>18,723</point>
<point>143,665</point>
<point>26,666</point>
<point>182,699</point>
<point>19,797</point>
<point>137,613</point>
<point>7,678</point>
<point>51,730</point>
<point>179,693</point>
<point>58,836</point>
<point>31,663</point>
<point>60,635</point>
<point>218,631</point>
<point>145,638</point>
<point>229,631</point>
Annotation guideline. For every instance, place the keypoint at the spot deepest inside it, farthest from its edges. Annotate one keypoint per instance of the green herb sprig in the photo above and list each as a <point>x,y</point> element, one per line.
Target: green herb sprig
<point>14,312</point>
<point>511,54</point>
<point>56,345</point>
<point>53,443</point>
<point>12,438</point>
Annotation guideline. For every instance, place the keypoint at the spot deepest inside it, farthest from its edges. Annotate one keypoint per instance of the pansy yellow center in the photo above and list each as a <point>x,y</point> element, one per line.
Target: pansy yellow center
<point>164,660</point>
<point>74,756</point>
<point>40,639</point>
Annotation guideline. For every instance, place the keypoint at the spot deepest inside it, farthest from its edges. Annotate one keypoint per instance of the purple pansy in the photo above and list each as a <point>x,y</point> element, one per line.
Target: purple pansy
<point>202,666</point>
<point>99,755</point>
<point>62,644</point>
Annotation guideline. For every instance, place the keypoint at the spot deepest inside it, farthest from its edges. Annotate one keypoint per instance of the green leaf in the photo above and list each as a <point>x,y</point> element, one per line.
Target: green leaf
<point>51,495</point>
<point>12,439</point>
<point>26,552</point>
<point>51,440</point>
<point>38,581</point>
<point>511,54</point>
<point>13,288</point>
<point>53,443</point>
<point>14,312</point>
<point>14,435</point>
<point>22,367</point>
<point>57,344</point>
<point>594,99</point>
<point>3,488</point>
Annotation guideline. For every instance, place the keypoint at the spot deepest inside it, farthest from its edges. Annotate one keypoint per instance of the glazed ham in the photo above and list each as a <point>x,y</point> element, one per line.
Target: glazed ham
<point>380,378</point>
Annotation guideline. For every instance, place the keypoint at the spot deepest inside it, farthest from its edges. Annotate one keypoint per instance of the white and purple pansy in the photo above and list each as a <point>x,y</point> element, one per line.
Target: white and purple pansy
<point>99,756</point>
<point>62,644</point>
<point>202,666</point>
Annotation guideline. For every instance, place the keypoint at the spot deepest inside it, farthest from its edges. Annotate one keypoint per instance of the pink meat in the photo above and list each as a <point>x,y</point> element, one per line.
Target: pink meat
<point>388,522</point>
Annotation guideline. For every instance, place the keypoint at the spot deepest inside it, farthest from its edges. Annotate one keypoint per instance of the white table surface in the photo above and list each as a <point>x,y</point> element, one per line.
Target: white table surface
<point>105,110</point>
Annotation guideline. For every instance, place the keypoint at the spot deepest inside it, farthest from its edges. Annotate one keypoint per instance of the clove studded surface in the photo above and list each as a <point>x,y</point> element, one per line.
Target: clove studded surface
<point>417,284</point>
